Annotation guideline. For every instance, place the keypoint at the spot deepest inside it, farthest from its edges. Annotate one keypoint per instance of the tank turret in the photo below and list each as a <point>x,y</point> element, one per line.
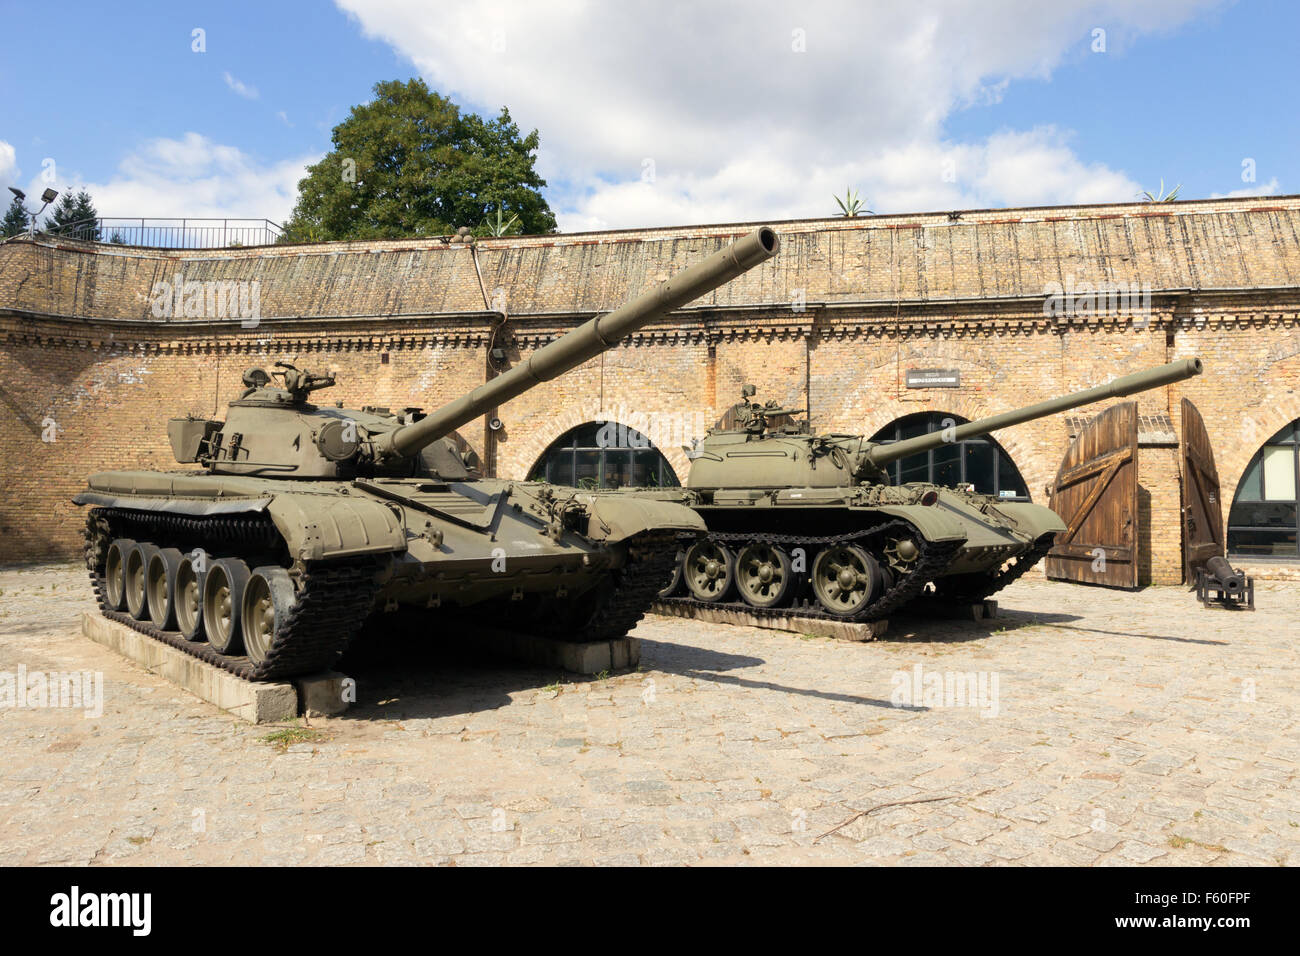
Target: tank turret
<point>272,430</point>
<point>755,455</point>
<point>873,457</point>
<point>269,577</point>
<point>810,524</point>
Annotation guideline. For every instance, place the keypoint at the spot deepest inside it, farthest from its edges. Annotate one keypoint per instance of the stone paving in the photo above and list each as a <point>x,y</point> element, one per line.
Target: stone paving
<point>1109,728</point>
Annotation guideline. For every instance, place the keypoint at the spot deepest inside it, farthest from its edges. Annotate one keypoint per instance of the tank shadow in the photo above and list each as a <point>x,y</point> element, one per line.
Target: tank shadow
<point>1149,637</point>
<point>908,629</point>
<point>404,672</point>
<point>686,661</point>
<point>923,628</point>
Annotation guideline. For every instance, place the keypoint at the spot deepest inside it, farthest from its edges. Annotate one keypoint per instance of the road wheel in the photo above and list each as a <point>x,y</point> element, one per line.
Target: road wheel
<point>133,579</point>
<point>223,594</point>
<point>845,579</point>
<point>268,600</point>
<point>675,582</point>
<point>763,575</point>
<point>709,571</point>
<point>188,594</point>
<point>115,573</point>
<point>901,554</point>
<point>160,587</point>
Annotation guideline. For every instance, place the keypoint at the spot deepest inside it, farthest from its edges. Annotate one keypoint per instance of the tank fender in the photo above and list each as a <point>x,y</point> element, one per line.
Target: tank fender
<point>618,517</point>
<point>934,525</point>
<point>1031,519</point>
<point>180,506</point>
<point>316,527</point>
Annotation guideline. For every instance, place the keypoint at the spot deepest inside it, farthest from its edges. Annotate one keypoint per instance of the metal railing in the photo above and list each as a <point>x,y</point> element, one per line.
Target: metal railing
<point>174,233</point>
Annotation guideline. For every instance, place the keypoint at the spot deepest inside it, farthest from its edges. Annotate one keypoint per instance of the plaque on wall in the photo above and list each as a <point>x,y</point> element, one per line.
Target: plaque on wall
<point>933,378</point>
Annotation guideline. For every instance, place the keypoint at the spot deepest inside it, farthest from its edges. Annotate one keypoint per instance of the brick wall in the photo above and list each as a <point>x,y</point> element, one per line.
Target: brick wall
<point>831,325</point>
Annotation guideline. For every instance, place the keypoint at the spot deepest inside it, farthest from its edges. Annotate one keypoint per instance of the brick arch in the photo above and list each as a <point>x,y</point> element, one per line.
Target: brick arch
<point>1268,421</point>
<point>1037,469</point>
<point>517,460</point>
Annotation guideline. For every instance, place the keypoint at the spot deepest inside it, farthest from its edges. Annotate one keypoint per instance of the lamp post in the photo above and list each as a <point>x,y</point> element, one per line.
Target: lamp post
<point>47,197</point>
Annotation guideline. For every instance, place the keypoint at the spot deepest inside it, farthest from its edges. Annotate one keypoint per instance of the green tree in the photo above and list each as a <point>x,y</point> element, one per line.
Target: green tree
<point>75,208</point>
<point>410,163</point>
<point>16,219</point>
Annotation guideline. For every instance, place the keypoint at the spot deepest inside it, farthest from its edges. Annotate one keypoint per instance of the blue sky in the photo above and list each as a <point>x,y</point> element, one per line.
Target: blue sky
<point>1187,105</point>
<point>305,60</point>
<point>920,106</point>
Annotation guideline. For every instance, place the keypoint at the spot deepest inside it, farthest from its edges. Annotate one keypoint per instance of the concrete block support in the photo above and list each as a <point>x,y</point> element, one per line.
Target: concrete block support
<point>253,701</point>
<point>985,610</point>
<point>817,627</point>
<point>324,695</point>
<point>577,658</point>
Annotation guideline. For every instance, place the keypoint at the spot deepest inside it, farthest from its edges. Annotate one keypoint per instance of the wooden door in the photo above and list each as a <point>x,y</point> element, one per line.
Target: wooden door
<point>1096,495</point>
<point>1202,504</point>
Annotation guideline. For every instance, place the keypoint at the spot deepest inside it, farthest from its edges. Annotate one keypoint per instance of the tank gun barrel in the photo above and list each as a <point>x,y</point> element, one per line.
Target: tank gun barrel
<point>880,455</point>
<point>585,342</point>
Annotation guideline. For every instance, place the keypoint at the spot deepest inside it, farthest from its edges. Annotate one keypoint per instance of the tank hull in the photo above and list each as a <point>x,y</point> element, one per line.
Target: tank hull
<point>917,541</point>
<point>545,558</point>
<point>812,522</point>
<point>308,518</point>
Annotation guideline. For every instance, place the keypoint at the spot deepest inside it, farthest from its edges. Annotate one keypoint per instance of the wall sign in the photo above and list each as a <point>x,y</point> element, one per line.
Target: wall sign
<point>933,378</point>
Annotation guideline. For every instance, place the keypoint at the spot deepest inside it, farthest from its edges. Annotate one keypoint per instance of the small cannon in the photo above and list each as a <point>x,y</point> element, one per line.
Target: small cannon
<point>1231,587</point>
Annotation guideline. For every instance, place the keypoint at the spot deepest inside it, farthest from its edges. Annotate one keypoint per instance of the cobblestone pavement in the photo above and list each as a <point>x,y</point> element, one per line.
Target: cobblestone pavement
<point>1111,728</point>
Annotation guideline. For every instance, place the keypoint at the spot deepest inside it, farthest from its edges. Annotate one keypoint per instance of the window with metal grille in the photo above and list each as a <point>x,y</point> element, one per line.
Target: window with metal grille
<point>604,455</point>
<point>981,462</point>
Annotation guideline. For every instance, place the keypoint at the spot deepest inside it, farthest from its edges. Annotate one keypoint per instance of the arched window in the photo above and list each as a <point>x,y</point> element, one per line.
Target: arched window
<point>977,461</point>
<point>1263,522</point>
<point>604,455</point>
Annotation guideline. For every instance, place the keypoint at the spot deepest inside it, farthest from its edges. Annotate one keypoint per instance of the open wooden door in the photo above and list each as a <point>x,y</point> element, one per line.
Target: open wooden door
<point>1096,495</point>
<point>1202,505</point>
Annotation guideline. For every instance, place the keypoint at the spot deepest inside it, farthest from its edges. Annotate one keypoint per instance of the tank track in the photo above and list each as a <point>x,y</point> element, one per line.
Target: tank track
<point>964,590</point>
<point>334,598</point>
<point>651,556</point>
<point>934,557</point>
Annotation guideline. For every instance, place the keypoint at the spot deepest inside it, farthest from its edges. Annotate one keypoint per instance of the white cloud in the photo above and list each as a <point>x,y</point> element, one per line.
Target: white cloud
<point>247,92</point>
<point>8,162</point>
<point>1270,188</point>
<point>1013,169</point>
<point>1026,169</point>
<point>195,177</point>
<point>741,126</point>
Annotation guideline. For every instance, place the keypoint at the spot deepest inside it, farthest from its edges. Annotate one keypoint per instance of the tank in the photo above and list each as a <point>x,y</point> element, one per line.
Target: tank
<point>809,523</point>
<point>304,518</point>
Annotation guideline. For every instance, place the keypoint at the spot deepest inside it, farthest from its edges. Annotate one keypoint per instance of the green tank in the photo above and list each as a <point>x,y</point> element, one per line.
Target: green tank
<point>810,524</point>
<point>304,518</point>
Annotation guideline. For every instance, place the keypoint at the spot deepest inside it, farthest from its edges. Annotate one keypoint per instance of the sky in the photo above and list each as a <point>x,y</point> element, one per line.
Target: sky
<point>667,113</point>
